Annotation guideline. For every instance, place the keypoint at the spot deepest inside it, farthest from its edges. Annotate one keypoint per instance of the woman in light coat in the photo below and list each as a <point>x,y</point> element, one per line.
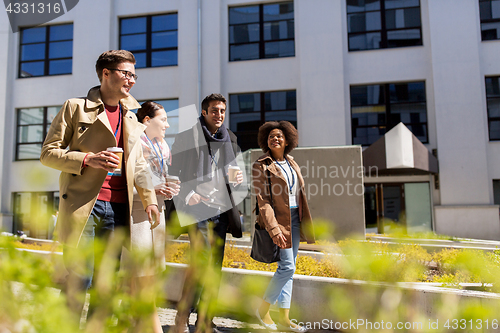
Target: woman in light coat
<point>284,213</point>
<point>144,240</point>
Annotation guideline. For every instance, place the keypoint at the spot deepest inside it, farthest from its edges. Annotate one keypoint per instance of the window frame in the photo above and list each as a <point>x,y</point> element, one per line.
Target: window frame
<point>383,28</point>
<point>262,42</point>
<point>496,191</point>
<point>46,59</point>
<point>488,99</point>
<point>262,111</point>
<point>45,124</point>
<point>149,32</point>
<point>388,124</point>
<point>486,21</point>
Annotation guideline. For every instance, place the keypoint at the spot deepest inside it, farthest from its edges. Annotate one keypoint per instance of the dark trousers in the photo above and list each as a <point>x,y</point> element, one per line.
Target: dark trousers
<point>104,231</point>
<point>201,286</point>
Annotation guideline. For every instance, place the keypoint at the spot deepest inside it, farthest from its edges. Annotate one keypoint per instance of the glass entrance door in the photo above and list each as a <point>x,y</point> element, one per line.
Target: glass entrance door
<point>398,206</point>
<point>418,207</point>
<point>393,219</point>
<point>371,209</point>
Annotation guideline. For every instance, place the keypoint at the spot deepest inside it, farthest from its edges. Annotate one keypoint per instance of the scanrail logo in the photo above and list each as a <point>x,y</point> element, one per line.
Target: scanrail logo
<point>31,13</point>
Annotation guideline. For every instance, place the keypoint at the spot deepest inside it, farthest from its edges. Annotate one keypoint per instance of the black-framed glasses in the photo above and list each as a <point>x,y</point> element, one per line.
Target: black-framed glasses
<point>128,75</point>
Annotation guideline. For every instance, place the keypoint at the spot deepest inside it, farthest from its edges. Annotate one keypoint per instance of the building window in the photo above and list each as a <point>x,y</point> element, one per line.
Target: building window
<point>46,50</point>
<point>496,192</point>
<point>493,106</point>
<point>171,106</point>
<point>249,111</point>
<point>152,39</point>
<point>489,11</point>
<point>32,127</point>
<point>375,109</point>
<point>261,31</point>
<point>380,24</point>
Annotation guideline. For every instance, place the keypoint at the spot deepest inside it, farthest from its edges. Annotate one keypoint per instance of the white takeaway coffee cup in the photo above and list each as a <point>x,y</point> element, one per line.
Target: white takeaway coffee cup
<point>232,172</point>
<point>118,152</point>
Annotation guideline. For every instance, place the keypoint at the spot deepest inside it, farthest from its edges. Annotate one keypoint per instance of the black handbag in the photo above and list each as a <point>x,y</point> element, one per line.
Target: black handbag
<point>263,247</point>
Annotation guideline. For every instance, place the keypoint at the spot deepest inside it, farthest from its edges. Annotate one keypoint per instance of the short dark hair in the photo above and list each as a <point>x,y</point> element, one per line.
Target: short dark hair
<point>111,59</point>
<point>289,131</point>
<point>212,97</point>
<point>149,109</point>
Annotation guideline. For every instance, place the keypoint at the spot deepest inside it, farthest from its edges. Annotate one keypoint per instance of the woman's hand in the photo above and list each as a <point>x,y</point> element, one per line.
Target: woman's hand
<point>280,240</point>
<point>167,189</point>
<point>173,189</point>
<point>161,189</point>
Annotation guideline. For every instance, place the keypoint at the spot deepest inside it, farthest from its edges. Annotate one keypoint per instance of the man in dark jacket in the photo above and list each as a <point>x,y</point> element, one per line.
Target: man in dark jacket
<point>201,158</point>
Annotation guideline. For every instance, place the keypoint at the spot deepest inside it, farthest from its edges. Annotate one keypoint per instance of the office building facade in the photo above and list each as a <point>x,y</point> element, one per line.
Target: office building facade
<point>343,71</point>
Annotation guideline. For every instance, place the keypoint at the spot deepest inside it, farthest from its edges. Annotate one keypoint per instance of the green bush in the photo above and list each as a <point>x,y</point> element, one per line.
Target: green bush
<point>374,261</point>
<point>31,302</point>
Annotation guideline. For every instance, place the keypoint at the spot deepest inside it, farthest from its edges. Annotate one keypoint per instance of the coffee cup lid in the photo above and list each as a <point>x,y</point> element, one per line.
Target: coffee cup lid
<point>115,149</point>
<point>234,167</point>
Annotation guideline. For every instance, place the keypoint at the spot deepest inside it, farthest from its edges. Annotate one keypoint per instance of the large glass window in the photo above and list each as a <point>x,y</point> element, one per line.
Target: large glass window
<point>489,11</point>
<point>493,106</point>
<point>377,108</point>
<point>171,106</point>
<point>261,31</point>
<point>32,127</point>
<point>249,111</point>
<point>46,50</point>
<point>379,24</point>
<point>152,39</point>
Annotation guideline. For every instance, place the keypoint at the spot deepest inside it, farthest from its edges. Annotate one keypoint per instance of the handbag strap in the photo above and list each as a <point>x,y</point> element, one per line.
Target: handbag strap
<point>268,176</point>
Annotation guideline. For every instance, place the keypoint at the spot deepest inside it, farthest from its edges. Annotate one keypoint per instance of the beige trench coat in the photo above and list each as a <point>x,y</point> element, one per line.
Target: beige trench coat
<point>275,216</point>
<point>83,127</point>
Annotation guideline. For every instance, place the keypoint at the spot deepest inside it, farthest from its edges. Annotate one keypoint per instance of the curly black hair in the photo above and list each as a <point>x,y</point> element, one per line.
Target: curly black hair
<point>289,131</point>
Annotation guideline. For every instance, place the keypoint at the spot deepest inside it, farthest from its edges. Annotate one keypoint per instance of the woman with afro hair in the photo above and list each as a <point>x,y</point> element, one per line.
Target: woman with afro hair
<point>283,212</point>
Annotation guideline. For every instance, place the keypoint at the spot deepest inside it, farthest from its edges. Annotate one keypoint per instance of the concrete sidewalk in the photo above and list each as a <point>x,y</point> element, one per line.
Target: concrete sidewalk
<point>167,317</point>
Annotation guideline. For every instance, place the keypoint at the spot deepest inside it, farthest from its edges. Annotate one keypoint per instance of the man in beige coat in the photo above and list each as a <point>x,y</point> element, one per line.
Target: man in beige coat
<point>95,200</point>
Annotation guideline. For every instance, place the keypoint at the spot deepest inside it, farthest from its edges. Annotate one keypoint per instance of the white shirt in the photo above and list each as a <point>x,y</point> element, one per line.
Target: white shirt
<point>292,181</point>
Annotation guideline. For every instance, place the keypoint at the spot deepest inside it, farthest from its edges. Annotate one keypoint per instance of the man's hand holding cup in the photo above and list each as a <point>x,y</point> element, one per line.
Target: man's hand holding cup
<point>109,160</point>
<point>235,175</point>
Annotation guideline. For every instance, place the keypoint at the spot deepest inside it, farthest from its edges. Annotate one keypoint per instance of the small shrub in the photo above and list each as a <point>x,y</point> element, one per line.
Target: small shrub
<point>177,253</point>
<point>50,247</point>
<point>362,260</point>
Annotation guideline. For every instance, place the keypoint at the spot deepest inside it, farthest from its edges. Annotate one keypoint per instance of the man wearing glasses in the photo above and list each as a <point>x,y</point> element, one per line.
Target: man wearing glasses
<point>96,200</point>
